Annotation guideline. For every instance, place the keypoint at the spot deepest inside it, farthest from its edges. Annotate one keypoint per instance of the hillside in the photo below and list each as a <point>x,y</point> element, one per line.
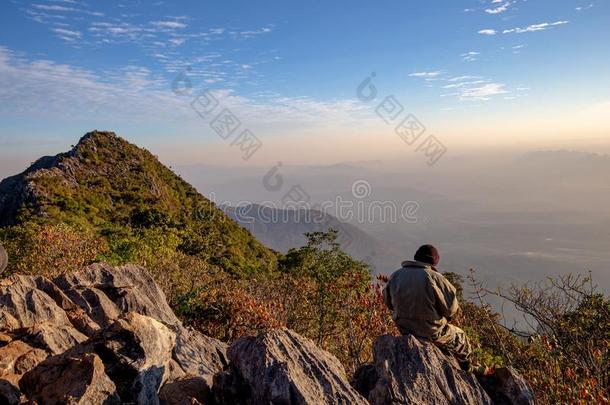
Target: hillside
<point>283,229</point>
<point>110,189</point>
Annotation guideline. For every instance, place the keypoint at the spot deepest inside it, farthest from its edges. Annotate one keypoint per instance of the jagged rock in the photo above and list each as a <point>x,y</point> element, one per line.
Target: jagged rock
<point>117,314</point>
<point>5,338</point>
<point>105,292</point>
<point>285,368</point>
<point>23,305</point>
<point>77,316</point>
<point>136,351</point>
<point>16,358</point>
<point>414,371</point>
<point>55,339</point>
<point>175,371</point>
<point>186,390</point>
<point>199,355</point>
<point>66,379</point>
<point>507,387</point>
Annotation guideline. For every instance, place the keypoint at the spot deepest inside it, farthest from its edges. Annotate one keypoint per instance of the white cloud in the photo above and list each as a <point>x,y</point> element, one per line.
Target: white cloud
<point>177,41</point>
<point>431,74</point>
<point>115,32</point>
<point>67,35</point>
<point>499,9</point>
<point>481,92</point>
<point>582,8</point>
<point>469,56</point>
<point>462,78</point>
<point>43,89</point>
<point>534,27</point>
<point>487,31</point>
<point>462,84</point>
<point>169,24</point>
<point>251,33</point>
<point>472,88</point>
<point>58,8</point>
<point>52,7</point>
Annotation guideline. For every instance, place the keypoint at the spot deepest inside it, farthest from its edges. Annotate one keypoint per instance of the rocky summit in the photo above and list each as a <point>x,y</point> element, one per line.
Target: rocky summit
<point>106,335</point>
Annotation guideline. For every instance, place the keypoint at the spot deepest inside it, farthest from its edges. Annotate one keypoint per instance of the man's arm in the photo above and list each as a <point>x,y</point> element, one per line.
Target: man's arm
<point>446,297</point>
<point>387,297</point>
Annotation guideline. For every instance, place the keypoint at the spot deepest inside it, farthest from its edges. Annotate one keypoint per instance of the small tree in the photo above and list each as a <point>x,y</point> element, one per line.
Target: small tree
<point>568,356</point>
<point>323,261</point>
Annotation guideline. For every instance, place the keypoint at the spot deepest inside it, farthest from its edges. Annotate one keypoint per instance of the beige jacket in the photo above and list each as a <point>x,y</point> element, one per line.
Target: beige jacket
<point>420,298</point>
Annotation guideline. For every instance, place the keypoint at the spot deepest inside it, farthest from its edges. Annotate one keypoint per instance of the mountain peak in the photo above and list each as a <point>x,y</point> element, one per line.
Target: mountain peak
<point>99,136</point>
<point>105,182</point>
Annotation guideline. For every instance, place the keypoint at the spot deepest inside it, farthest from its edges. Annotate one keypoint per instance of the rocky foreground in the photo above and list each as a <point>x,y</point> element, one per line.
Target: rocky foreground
<point>106,335</point>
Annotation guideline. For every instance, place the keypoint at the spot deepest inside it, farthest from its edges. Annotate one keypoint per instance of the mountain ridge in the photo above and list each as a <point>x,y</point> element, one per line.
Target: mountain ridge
<point>105,183</point>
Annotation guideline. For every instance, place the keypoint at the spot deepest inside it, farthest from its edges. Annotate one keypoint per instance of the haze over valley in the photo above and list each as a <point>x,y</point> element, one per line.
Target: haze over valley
<point>512,217</point>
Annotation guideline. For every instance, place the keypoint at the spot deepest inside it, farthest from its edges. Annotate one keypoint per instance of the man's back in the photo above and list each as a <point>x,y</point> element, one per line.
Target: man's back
<point>421,299</point>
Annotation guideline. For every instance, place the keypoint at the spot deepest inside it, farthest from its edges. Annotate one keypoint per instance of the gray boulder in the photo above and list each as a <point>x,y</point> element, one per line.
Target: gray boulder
<point>16,359</point>
<point>199,355</point>
<point>506,386</point>
<point>23,305</point>
<point>66,379</point>
<point>414,371</point>
<point>187,390</point>
<point>282,367</point>
<point>116,316</point>
<point>55,339</point>
<point>105,292</point>
<point>136,351</point>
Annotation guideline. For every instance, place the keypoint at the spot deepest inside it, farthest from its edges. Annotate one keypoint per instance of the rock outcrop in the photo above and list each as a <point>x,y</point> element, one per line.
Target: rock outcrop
<point>506,387</point>
<point>282,367</point>
<point>102,335</point>
<point>106,335</point>
<point>408,370</point>
<point>413,371</point>
<point>70,379</point>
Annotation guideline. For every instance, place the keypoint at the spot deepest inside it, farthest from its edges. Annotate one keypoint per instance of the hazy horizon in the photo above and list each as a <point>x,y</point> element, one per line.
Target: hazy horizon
<point>315,84</point>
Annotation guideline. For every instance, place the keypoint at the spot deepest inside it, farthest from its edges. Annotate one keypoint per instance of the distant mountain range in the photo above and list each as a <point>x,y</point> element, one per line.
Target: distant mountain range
<point>283,229</point>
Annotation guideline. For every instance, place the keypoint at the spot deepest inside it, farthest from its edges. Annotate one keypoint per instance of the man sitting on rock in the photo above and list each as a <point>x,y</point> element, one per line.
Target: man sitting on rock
<point>423,302</point>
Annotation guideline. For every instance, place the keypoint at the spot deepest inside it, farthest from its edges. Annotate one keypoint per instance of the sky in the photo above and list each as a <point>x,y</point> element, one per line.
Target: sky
<point>475,74</point>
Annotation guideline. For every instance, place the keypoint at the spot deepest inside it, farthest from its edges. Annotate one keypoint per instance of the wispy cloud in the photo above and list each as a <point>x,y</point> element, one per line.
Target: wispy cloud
<point>582,8</point>
<point>481,92</point>
<point>517,48</point>
<point>468,88</point>
<point>534,27</point>
<point>58,8</point>
<point>52,7</point>
<point>430,74</point>
<point>251,33</point>
<point>462,78</point>
<point>487,31</point>
<point>469,56</point>
<point>169,24</point>
<point>499,9</point>
<point>67,35</point>
<point>48,90</point>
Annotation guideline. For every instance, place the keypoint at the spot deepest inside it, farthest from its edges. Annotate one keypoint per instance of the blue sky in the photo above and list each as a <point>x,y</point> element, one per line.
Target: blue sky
<point>470,70</point>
